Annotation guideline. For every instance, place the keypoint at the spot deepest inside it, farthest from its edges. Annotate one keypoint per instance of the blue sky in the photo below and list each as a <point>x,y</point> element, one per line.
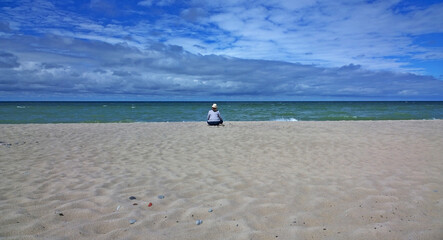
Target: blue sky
<point>221,50</point>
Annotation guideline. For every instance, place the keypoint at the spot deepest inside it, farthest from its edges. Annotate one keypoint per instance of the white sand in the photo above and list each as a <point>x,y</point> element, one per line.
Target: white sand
<point>263,180</point>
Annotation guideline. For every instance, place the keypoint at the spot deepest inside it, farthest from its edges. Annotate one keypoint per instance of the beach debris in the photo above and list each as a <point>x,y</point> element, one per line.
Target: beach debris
<point>198,222</point>
<point>5,144</point>
<point>135,204</point>
<point>132,221</point>
<point>132,198</point>
<point>118,207</point>
<point>210,210</point>
<point>150,204</point>
<point>161,196</point>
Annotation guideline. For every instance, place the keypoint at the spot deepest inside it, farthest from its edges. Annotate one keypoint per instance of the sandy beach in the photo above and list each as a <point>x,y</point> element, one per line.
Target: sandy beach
<point>246,180</point>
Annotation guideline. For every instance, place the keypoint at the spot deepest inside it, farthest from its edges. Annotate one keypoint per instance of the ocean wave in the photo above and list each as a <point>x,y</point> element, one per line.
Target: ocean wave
<point>285,120</point>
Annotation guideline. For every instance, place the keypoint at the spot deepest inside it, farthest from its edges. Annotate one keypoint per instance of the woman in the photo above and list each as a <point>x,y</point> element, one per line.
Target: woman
<point>214,117</point>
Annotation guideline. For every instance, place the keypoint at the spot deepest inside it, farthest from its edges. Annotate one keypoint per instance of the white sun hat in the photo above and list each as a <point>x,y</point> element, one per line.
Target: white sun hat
<point>214,105</point>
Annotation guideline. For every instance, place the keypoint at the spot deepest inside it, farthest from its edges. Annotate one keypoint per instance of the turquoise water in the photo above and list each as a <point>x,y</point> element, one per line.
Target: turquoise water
<point>95,112</point>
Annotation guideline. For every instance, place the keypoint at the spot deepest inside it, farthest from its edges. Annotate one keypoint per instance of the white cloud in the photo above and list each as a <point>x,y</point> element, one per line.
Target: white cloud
<point>146,3</point>
<point>334,33</point>
<point>408,93</point>
<point>162,3</point>
<point>169,70</point>
<point>328,33</point>
<point>239,48</point>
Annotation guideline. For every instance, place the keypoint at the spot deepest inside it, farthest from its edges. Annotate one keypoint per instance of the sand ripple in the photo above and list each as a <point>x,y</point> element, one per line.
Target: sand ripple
<point>263,180</point>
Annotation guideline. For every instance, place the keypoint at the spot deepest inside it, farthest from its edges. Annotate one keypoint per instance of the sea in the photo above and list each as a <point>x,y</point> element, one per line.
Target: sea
<point>128,112</point>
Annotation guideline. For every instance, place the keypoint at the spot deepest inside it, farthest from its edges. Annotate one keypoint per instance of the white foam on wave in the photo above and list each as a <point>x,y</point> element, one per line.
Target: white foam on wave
<point>286,120</point>
<point>21,106</point>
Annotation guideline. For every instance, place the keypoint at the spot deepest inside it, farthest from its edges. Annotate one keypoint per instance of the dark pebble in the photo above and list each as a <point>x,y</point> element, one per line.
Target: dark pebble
<point>61,214</point>
<point>324,229</point>
<point>135,204</point>
<point>132,198</point>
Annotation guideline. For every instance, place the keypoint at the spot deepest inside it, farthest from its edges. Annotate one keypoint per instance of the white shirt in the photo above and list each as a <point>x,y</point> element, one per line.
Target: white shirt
<point>214,116</point>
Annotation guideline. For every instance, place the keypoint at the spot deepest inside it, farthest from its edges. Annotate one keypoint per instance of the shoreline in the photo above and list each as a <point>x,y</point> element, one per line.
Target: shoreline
<point>378,179</point>
<point>270,121</point>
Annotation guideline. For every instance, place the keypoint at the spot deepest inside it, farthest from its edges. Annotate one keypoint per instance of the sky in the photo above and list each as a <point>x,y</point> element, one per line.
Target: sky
<point>169,50</point>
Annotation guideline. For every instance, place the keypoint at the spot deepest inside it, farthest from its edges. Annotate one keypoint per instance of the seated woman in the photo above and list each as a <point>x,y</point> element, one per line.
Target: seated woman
<point>214,117</point>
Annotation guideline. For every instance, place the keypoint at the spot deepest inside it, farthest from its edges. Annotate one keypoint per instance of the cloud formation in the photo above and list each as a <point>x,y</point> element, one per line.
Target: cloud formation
<point>229,50</point>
